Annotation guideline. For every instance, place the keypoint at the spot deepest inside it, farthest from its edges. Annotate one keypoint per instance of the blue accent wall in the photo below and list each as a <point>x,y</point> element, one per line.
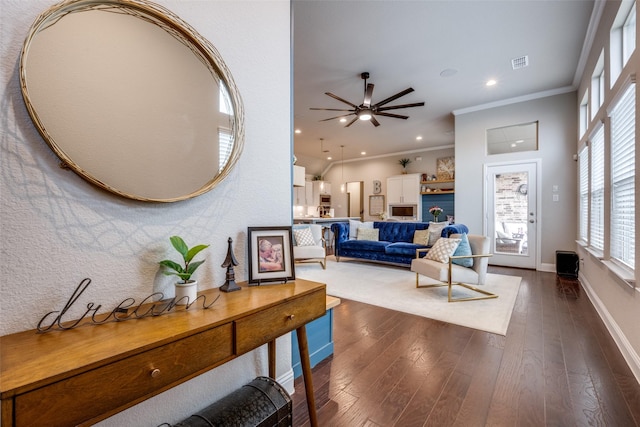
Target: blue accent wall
<point>445,201</point>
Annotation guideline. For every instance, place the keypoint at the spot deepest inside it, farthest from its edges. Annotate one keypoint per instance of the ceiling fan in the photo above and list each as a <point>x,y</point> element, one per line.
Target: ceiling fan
<point>367,111</point>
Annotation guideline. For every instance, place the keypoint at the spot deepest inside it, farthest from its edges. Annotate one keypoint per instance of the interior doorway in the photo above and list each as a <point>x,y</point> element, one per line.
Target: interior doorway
<point>511,213</point>
<point>355,199</point>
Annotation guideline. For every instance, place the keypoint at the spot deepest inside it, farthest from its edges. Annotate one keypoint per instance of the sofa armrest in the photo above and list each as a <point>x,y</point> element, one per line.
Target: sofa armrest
<point>454,229</point>
<point>340,232</point>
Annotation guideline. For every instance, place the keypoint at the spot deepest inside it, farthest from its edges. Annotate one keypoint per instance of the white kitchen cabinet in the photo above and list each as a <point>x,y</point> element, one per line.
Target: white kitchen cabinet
<point>403,189</point>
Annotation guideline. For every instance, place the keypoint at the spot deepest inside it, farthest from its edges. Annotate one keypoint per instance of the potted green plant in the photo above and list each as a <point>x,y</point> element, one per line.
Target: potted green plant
<point>404,162</point>
<point>186,288</point>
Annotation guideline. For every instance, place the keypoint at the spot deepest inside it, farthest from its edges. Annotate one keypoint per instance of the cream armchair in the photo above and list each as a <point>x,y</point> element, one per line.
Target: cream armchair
<point>305,252</point>
<point>450,274</point>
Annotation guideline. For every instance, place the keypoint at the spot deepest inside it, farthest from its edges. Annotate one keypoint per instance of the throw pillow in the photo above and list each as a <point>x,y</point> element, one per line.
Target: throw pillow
<point>355,224</point>
<point>502,235</point>
<point>435,231</point>
<point>464,248</point>
<point>421,237</point>
<point>368,234</point>
<point>304,237</point>
<point>443,249</point>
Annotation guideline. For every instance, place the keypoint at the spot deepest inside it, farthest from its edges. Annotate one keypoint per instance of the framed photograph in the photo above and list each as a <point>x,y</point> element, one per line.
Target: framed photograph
<point>376,205</point>
<point>270,254</point>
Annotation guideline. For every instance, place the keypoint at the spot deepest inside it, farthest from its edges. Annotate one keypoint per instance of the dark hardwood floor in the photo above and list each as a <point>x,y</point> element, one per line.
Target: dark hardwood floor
<point>557,366</point>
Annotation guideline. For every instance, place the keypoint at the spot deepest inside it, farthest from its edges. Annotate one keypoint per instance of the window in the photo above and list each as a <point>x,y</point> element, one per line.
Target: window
<point>584,113</point>
<point>225,140</point>
<point>596,235</point>
<point>225,101</point>
<point>622,39</point>
<point>622,246</point>
<point>629,34</point>
<point>597,86</point>
<point>583,165</point>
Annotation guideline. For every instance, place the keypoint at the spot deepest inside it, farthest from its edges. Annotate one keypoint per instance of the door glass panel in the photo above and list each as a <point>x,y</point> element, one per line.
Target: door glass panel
<point>511,213</point>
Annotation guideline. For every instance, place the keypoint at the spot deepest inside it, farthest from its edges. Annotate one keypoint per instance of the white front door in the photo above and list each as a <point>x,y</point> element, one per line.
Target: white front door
<point>511,213</point>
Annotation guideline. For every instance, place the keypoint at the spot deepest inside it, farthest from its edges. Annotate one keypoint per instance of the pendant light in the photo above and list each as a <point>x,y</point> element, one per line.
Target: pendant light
<point>342,185</point>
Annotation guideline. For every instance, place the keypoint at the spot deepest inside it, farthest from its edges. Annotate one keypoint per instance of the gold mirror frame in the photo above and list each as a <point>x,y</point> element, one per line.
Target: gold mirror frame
<point>165,150</point>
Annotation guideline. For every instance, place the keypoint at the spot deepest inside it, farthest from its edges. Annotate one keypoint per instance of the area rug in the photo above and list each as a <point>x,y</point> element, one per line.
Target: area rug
<point>395,288</point>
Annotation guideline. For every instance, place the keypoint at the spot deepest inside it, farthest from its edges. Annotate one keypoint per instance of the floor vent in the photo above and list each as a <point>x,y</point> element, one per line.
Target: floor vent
<point>521,62</point>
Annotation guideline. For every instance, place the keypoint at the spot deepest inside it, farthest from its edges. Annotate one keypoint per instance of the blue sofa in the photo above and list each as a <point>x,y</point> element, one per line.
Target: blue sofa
<point>395,243</point>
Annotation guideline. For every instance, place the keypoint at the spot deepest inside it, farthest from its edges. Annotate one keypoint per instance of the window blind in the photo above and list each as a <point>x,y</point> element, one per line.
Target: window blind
<point>583,164</point>
<point>226,146</point>
<point>623,126</point>
<point>596,225</point>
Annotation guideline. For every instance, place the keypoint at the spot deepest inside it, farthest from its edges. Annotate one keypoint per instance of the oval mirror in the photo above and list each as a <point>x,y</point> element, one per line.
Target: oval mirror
<point>131,98</point>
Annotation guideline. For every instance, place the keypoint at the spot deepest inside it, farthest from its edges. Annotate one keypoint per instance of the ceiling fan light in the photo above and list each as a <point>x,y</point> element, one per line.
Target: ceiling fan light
<point>364,115</point>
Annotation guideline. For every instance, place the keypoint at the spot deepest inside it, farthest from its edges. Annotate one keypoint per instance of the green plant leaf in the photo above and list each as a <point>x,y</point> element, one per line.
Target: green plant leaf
<point>179,245</point>
<point>192,266</point>
<point>194,251</point>
<point>172,265</point>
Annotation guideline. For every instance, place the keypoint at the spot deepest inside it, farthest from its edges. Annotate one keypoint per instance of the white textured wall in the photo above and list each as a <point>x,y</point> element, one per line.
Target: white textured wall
<point>557,118</point>
<point>56,229</point>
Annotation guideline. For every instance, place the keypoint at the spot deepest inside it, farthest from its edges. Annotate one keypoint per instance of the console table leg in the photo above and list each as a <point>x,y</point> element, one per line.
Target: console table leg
<point>272,358</point>
<point>306,374</point>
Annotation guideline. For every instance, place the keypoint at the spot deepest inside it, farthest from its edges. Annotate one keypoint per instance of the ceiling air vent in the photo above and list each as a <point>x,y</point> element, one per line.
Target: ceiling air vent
<point>521,62</point>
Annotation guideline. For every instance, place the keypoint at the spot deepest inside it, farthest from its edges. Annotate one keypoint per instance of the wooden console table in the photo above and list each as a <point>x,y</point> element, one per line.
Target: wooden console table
<point>84,375</point>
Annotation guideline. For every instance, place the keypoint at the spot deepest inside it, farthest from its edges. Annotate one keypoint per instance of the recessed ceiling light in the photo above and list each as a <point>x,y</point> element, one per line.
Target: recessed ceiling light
<point>329,158</point>
<point>520,141</point>
<point>298,131</point>
<point>418,138</point>
<point>342,120</point>
<point>448,72</point>
<point>513,145</point>
<point>363,153</point>
<point>491,82</point>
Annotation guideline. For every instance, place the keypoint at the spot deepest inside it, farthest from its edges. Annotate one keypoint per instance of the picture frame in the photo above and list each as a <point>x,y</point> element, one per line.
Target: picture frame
<point>376,204</point>
<point>270,255</point>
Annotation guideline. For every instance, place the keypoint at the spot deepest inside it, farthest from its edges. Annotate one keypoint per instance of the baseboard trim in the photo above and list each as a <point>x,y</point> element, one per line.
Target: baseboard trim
<point>630,356</point>
<point>286,381</point>
<point>551,268</point>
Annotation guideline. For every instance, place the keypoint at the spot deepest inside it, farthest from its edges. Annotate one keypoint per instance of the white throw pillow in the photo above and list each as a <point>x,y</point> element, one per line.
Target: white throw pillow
<point>368,234</point>
<point>355,224</point>
<point>435,231</point>
<point>304,237</point>
<point>443,249</point>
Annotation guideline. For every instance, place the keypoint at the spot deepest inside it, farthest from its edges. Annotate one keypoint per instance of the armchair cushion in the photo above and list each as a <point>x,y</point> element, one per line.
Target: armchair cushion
<point>303,237</point>
<point>443,249</point>
<point>463,249</point>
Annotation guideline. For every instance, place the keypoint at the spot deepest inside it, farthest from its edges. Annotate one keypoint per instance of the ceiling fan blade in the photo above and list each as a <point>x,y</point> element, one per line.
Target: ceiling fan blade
<point>397,116</point>
<point>374,121</point>
<point>367,96</point>
<point>395,107</point>
<point>351,122</point>
<point>340,99</point>
<point>330,109</point>
<point>337,117</point>
<point>394,97</point>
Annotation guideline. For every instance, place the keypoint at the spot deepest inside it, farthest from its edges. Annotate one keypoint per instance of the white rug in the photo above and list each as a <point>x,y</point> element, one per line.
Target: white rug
<point>395,288</point>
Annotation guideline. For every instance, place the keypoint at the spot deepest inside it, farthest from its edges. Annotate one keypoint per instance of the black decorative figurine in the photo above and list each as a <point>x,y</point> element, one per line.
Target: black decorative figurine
<point>230,284</point>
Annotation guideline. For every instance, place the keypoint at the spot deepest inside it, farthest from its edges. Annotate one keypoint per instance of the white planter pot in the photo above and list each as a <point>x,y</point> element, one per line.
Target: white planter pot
<point>186,292</point>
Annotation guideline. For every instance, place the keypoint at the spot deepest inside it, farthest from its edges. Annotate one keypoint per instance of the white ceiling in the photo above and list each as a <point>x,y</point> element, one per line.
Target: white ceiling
<point>408,44</point>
